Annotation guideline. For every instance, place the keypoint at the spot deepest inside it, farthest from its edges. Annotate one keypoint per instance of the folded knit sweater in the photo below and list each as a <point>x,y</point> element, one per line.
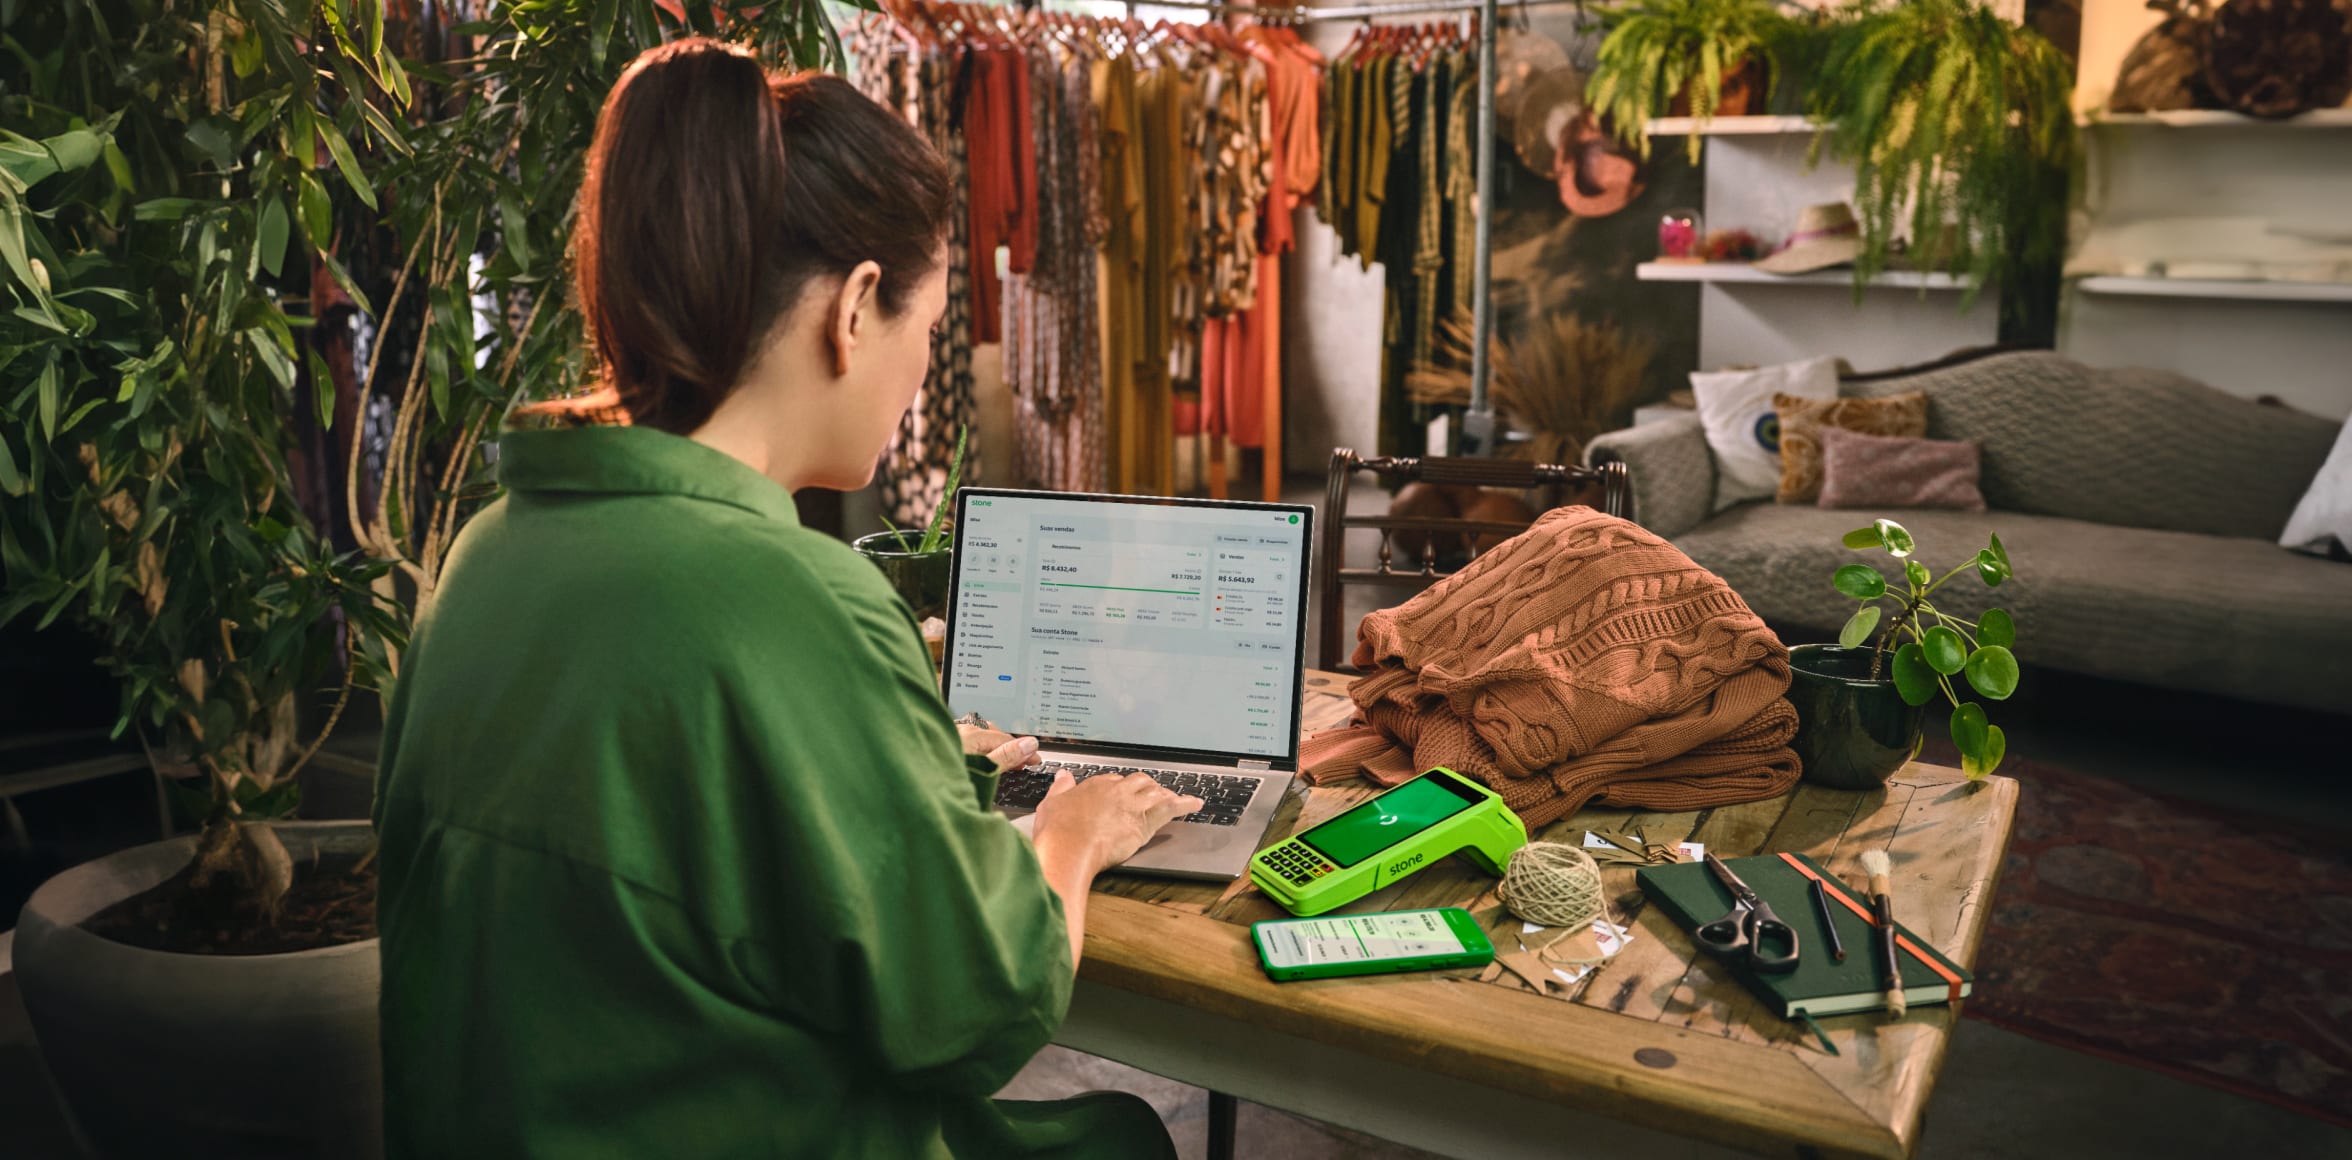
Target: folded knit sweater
<point>1583,659</point>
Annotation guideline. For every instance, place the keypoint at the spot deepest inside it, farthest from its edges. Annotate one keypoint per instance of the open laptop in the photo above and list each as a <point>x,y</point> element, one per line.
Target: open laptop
<point>1129,633</point>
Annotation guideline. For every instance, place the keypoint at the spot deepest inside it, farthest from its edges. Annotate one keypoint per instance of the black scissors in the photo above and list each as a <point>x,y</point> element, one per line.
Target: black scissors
<point>1749,927</point>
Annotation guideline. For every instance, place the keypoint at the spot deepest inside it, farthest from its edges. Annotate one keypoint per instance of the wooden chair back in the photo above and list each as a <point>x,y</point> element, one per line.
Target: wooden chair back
<point>1333,573</point>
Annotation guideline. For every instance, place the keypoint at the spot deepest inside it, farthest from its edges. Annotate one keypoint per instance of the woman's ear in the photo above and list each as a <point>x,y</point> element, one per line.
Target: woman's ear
<point>853,307</point>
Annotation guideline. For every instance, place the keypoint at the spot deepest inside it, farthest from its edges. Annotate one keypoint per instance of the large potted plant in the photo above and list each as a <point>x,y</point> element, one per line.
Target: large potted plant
<point>174,186</point>
<point>1714,57</point>
<point>1860,704</point>
<point>157,195</point>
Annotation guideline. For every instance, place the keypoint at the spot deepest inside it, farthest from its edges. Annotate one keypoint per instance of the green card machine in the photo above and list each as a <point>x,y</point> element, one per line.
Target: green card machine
<point>1387,838</point>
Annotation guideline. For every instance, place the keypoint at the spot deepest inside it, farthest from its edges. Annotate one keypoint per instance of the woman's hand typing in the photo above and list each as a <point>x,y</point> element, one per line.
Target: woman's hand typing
<point>1104,821</point>
<point>1009,752</point>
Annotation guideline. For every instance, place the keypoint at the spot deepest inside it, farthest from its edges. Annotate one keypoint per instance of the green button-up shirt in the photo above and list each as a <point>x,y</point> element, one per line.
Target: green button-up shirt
<point>680,852</point>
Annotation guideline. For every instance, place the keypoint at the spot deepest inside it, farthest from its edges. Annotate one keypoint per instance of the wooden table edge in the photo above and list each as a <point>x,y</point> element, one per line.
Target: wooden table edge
<point>1133,945</point>
<point>1908,1125</point>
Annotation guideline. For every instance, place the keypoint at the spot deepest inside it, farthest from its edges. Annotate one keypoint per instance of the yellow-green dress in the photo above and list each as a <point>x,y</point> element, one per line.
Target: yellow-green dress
<point>680,852</point>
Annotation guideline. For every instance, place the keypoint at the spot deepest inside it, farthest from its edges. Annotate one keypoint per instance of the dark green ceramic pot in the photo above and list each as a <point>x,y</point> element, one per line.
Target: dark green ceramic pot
<point>920,578</point>
<point>1852,732</point>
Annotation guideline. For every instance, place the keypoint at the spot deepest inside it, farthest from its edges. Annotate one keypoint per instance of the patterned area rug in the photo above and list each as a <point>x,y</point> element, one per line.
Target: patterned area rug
<point>2210,945</point>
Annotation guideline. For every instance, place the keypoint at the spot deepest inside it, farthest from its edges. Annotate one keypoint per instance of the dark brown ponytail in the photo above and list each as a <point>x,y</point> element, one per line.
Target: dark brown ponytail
<point>715,192</point>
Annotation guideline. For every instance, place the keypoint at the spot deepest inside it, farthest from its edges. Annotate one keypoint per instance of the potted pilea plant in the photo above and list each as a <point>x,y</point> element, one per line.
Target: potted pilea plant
<point>1860,704</point>
<point>918,567</point>
<point>175,180</point>
<point>1713,55</point>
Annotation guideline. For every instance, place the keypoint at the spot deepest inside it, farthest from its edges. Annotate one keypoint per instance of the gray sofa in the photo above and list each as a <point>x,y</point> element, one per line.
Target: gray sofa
<point>2142,511</point>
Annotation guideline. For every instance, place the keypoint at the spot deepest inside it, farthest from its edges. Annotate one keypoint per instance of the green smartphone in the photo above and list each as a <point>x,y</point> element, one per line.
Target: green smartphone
<point>1392,836</point>
<point>1370,944</point>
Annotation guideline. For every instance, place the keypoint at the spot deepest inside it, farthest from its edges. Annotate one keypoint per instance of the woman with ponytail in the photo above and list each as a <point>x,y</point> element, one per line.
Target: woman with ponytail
<point>681,854</point>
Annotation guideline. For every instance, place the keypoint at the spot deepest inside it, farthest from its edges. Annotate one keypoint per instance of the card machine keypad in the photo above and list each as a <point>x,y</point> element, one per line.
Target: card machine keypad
<point>1296,861</point>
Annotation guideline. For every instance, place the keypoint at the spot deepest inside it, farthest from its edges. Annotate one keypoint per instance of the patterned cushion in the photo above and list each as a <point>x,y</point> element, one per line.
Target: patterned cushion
<point>1860,470</point>
<point>1801,419</point>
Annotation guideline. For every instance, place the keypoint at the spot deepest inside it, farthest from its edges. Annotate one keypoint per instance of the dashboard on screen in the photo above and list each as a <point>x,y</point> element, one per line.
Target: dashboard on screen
<point>1125,623</point>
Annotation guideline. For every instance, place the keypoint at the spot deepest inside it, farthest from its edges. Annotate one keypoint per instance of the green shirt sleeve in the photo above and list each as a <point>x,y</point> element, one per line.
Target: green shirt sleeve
<point>941,954</point>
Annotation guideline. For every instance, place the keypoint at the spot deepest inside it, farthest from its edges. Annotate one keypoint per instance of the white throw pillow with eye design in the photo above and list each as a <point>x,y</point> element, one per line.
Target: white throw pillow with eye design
<point>1742,429</point>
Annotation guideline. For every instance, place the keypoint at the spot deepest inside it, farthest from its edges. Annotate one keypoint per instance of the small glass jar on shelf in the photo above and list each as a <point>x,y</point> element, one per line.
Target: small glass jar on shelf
<point>1680,236</point>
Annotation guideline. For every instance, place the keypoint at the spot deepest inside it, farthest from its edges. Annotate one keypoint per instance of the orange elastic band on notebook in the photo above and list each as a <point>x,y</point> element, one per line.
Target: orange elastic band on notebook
<point>1837,890</point>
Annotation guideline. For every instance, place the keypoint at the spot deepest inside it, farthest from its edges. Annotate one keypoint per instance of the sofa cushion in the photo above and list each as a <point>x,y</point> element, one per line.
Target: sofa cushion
<point>2135,448</point>
<point>1861,470</point>
<point>1802,421</point>
<point>2218,614</point>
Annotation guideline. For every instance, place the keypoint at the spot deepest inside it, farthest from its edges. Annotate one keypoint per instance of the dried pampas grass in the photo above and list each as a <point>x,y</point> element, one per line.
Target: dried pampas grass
<point>1562,382</point>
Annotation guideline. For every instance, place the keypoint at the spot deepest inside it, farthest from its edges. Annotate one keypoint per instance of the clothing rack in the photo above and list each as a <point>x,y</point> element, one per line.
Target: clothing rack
<point>1478,424</point>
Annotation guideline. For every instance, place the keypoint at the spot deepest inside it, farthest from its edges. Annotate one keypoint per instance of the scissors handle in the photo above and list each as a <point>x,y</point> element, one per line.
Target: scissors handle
<point>1765,933</point>
<point>1727,935</point>
<point>1757,934</point>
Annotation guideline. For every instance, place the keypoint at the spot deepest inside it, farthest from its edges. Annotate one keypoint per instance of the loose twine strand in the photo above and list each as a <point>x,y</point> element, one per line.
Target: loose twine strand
<point>1554,885</point>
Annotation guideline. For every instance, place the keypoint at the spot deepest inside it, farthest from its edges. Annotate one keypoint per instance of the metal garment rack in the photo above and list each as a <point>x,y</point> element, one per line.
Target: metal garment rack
<point>1478,424</point>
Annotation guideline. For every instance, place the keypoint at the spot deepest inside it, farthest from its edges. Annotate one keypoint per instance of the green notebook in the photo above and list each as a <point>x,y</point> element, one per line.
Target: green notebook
<point>1820,986</point>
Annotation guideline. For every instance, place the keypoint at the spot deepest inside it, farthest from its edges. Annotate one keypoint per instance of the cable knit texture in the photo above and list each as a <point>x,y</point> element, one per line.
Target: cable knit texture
<point>1583,659</point>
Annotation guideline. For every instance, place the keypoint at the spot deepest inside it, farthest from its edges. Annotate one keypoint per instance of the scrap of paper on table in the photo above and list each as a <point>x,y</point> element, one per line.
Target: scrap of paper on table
<point>1611,937</point>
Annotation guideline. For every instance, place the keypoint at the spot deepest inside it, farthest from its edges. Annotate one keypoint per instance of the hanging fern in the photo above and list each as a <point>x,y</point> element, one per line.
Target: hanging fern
<point>1656,47</point>
<point>1959,128</point>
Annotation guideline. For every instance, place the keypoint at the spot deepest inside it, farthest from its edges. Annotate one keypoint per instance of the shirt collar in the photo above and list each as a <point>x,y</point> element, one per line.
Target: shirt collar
<point>636,461</point>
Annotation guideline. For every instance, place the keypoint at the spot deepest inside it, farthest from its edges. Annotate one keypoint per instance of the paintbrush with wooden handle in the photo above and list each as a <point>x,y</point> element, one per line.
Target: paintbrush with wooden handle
<point>1876,864</point>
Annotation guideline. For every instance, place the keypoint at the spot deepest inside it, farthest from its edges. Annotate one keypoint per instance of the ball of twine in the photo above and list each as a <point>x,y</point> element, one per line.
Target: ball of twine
<point>1552,884</point>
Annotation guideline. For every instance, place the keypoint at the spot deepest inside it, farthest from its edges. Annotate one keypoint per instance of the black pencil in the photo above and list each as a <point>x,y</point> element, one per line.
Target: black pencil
<point>1837,950</point>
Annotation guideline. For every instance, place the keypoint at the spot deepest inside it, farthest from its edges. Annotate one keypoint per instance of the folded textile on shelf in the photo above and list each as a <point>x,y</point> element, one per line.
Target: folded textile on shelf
<point>1585,659</point>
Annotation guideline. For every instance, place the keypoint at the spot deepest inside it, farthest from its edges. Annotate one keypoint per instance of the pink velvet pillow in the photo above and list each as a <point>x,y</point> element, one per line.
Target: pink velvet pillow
<point>1859,470</point>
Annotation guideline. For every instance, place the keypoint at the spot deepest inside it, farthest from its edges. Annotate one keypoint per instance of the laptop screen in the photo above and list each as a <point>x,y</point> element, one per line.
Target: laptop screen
<point>1158,623</point>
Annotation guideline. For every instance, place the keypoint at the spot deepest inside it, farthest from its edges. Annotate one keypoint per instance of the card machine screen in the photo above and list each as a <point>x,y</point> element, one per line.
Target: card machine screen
<point>1385,821</point>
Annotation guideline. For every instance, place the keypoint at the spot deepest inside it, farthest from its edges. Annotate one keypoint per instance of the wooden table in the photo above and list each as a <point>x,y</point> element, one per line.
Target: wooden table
<point>1661,1039</point>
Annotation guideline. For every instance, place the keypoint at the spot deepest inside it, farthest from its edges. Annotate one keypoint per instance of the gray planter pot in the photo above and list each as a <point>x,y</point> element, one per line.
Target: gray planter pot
<point>162,1054</point>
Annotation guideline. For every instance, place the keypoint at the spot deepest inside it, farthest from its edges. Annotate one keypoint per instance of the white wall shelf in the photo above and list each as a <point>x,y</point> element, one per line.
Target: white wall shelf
<point>1743,272</point>
<point>2222,119</point>
<point>2213,288</point>
<point>1726,126</point>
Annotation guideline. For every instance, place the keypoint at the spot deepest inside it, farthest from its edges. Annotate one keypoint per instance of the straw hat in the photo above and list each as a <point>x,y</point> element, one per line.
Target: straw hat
<point>1521,57</point>
<point>1826,235</point>
<point>1596,177</point>
<point>1546,106</point>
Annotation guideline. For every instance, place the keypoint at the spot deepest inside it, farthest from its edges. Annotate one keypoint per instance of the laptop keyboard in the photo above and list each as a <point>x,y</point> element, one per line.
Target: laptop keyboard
<point>1224,795</point>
